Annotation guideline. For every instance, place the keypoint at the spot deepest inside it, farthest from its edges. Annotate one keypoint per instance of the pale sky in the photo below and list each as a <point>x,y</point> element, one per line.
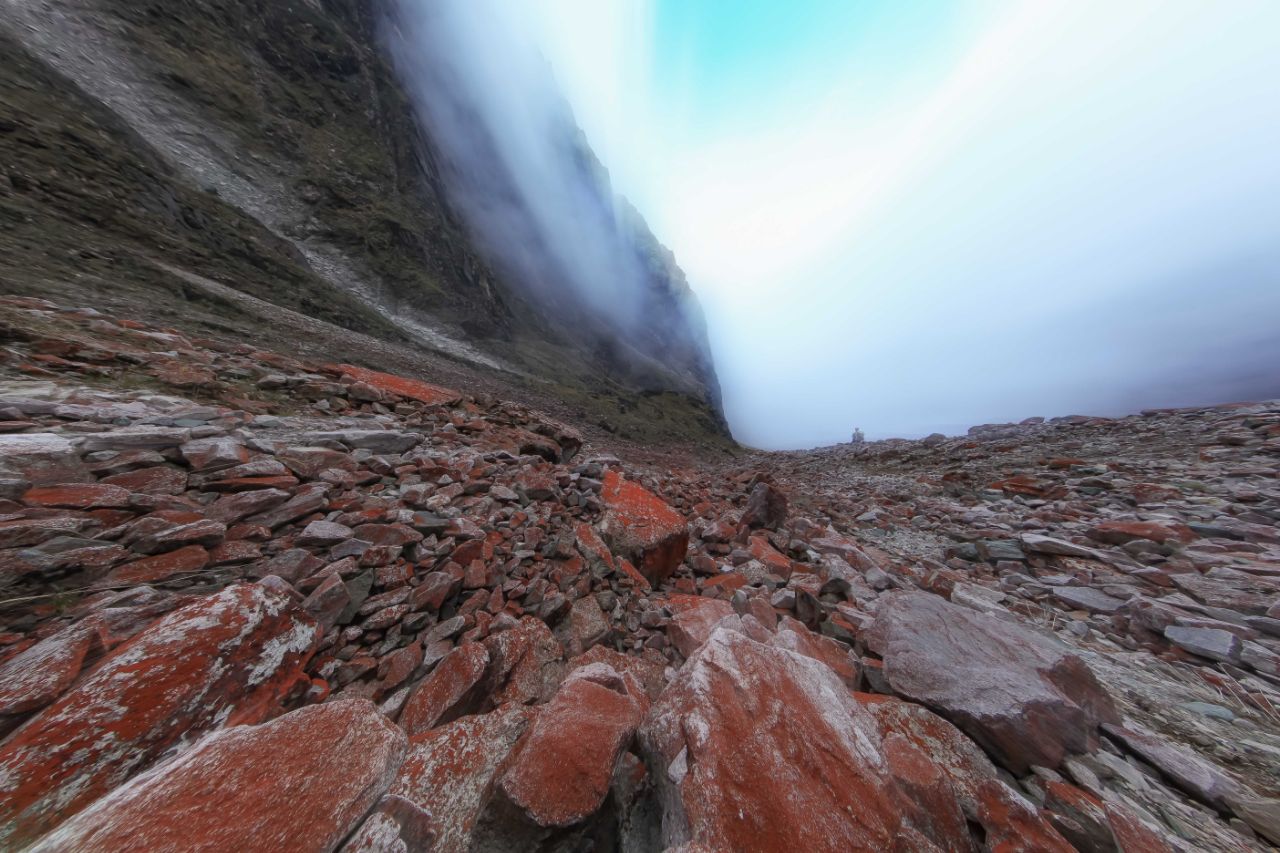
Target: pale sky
<point>917,216</point>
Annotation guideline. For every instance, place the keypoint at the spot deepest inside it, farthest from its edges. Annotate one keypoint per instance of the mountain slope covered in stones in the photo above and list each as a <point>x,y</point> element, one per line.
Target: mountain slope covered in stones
<point>319,534</point>
<point>219,164</point>
<point>258,602</point>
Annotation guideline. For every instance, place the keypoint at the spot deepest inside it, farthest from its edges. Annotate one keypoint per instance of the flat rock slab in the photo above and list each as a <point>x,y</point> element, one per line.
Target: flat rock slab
<point>448,773</point>
<point>1212,643</point>
<point>301,782</point>
<point>768,750</point>
<point>1087,598</point>
<point>1022,694</point>
<point>228,658</point>
<point>42,459</point>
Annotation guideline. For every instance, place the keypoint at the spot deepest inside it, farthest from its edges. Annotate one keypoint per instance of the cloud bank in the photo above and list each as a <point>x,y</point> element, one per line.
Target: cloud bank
<point>1039,209</point>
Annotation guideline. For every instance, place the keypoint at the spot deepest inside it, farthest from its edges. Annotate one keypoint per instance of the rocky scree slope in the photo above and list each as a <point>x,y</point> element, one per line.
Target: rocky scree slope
<point>210,165</point>
<point>256,602</point>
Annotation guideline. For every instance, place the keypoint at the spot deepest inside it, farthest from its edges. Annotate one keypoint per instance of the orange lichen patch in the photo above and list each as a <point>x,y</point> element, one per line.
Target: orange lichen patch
<point>157,480</point>
<point>695,618</point>
<point>183,375</point>
<point>1119,532</point>
<point>1008,821</point>
<point>1020,484</point>
<point>632,573</point>
<point>643,527</point>
<point>525,663</point>
<point>560,771</point>
<point>77,496</point>
<point>449,771</point>
<point>794,636</point>
<point>592,546</point>
<point>242,484</point>
<point>192,558</point>
<point>301,782</point>
<point>936,811</point>
<point>1013,826</point>
<point>226,659</point>
<point>766,750</point>
<point>764,552</point>
<point>401,386</point>
<point>442,696</point>
<point>724,583</point>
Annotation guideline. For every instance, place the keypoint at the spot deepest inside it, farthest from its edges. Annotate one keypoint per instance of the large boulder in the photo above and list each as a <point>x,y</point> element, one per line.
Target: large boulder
<point>559,772</point>
<point>448,773</point>
<point>226,659</point>
<point>758,748</point>
<point>919,744</point>
<point>766,507</point>
<point>642,527</point>
<point>1022,694</point>
<point>301,782</point>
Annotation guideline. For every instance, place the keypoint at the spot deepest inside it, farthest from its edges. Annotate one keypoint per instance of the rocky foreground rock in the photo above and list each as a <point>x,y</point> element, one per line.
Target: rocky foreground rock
<point>253,603</point>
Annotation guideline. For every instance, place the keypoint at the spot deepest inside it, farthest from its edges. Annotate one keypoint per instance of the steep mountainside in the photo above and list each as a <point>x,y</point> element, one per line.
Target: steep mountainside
<point>153,147</point>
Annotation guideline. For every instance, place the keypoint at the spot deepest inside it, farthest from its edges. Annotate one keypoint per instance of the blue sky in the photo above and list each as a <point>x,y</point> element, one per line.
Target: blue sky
<point>917,216</point>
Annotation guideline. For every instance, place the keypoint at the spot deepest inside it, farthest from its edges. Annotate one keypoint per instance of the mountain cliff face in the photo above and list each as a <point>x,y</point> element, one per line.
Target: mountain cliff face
<point>172,160</point>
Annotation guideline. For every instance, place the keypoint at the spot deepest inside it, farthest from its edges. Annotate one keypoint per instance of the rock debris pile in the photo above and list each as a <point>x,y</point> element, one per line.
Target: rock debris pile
<point>252,603</point>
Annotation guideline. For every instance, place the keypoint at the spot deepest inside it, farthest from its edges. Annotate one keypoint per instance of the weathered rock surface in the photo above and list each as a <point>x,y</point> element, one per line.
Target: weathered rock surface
<point>1023,695</point>
<point>560,771</point>
<point>308,536</point>
<point>230,658</point>
<point>642,527</point>
<point>760,748</point>
<point>450,688</point>
<point>300,782</point>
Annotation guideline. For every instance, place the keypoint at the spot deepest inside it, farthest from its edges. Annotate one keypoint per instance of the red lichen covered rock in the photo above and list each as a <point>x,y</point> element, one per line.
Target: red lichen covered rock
<point>448,691</point>
<point>767,750</point>
<point>161,567</point>
<point>1022,694</point>
<point>526,663</point>
<point>300,782</point>
<point>77,496</point>
<point>449,773</point>
<point>795,637</point>
<point>647,670</point>
<point>971,779</point>
<point>695,617</point>
<point>225,659</point>
<point>401,386</point>
<point>642,527</point>
<point>156,480</point>
<point>1120,532</point>
<point>40,674</point>
<point>559,773</point>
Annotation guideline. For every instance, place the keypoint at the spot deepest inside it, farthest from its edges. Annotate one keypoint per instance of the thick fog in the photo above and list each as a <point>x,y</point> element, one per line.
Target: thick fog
<point>511,155</point>
<point>913,222</point>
